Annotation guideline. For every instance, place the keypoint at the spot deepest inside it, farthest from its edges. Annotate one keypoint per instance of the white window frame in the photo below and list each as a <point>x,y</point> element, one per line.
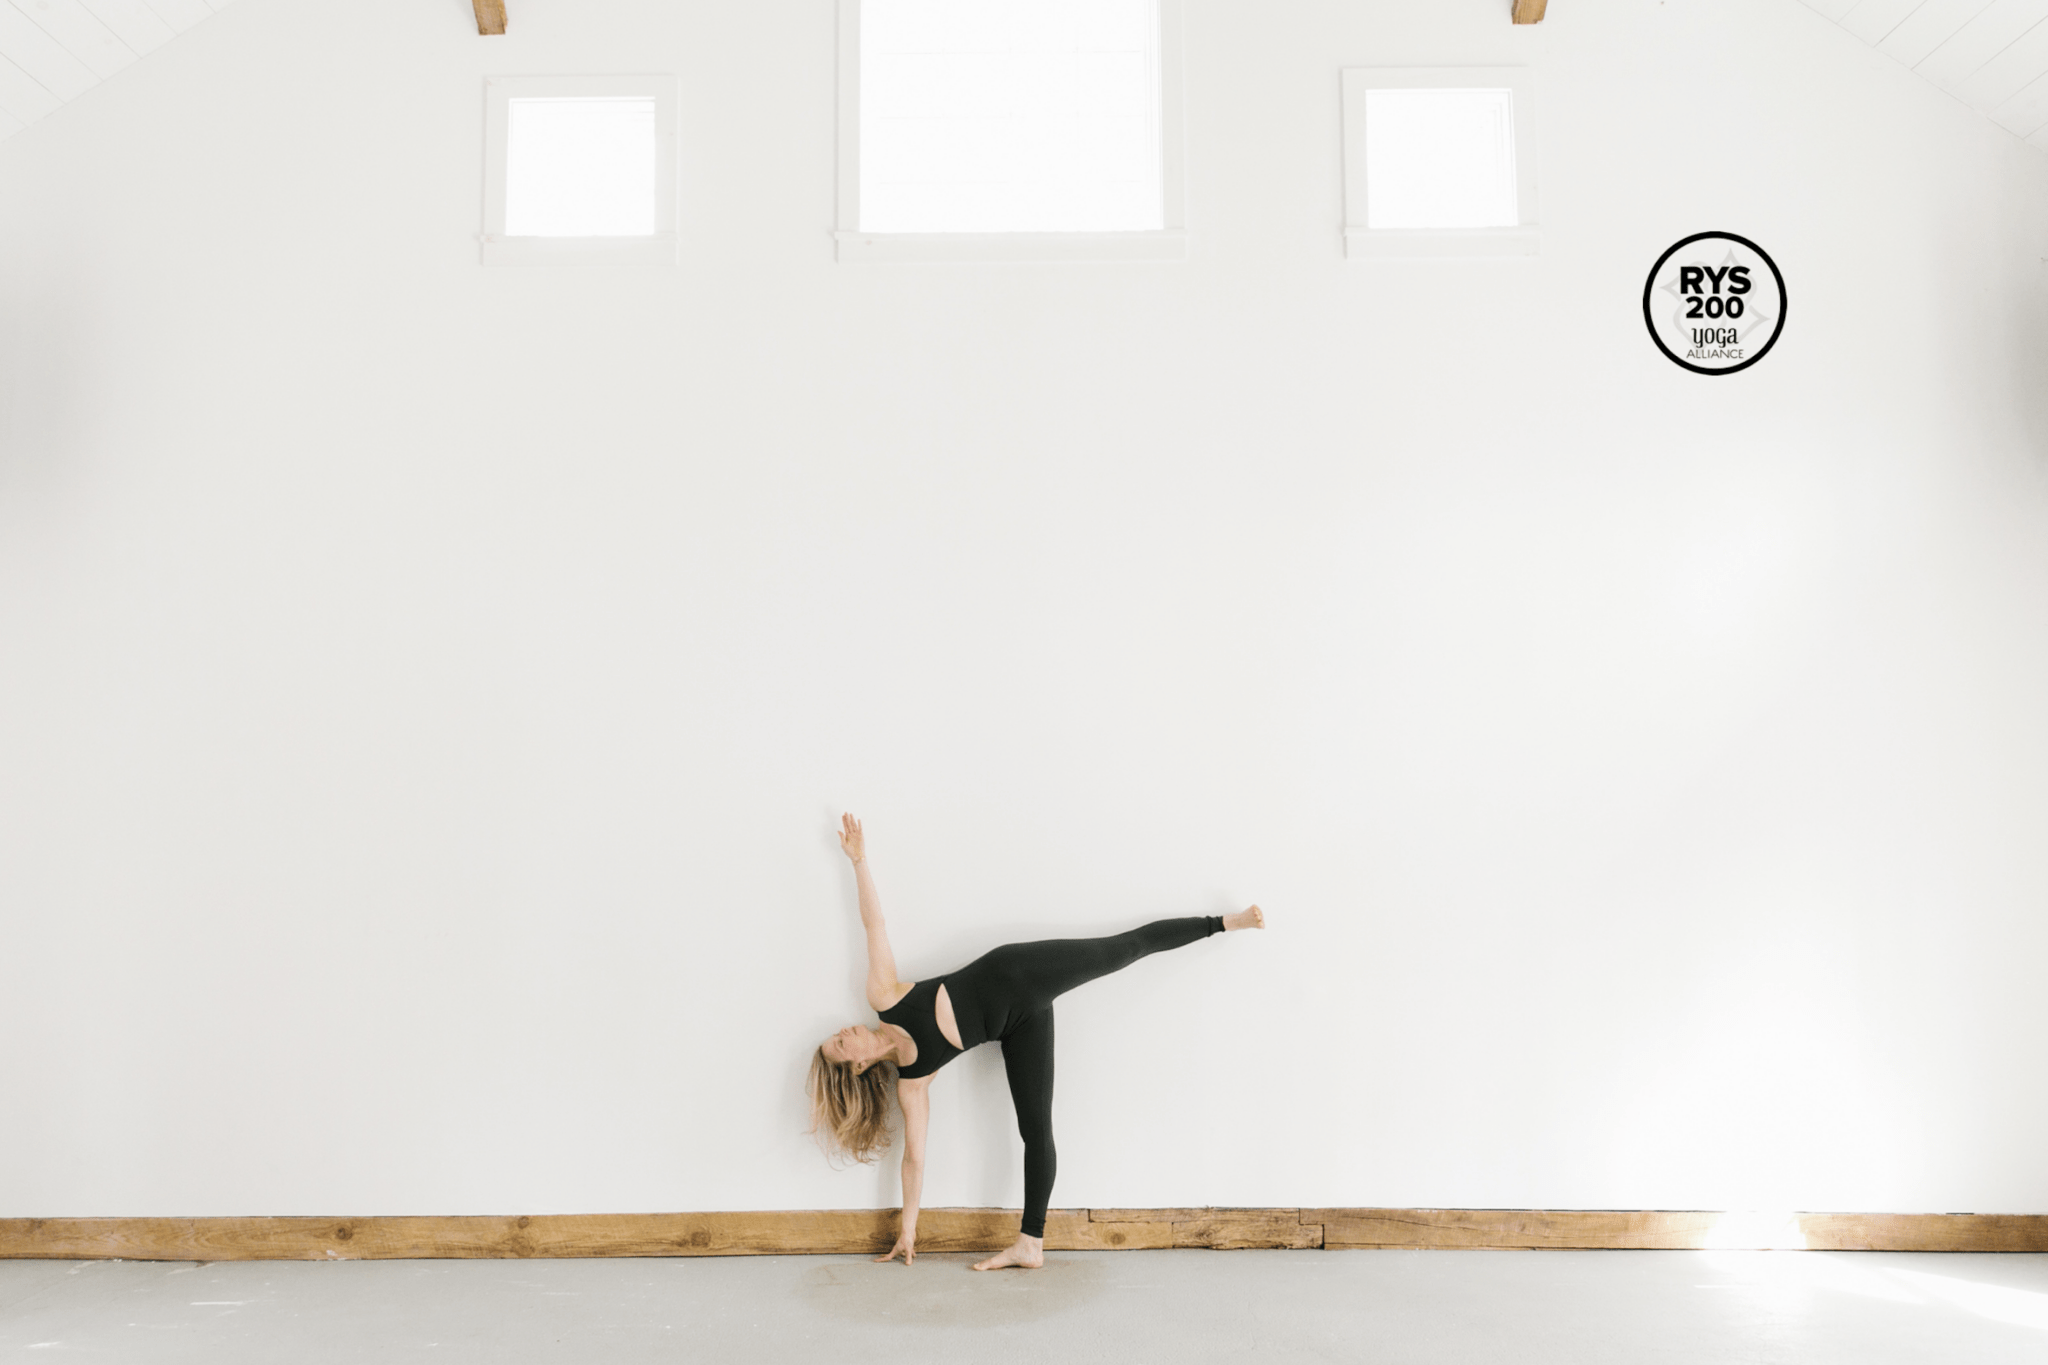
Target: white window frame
<point>1170,243</point>
<point>1361,240</point>
<point>659,248</point>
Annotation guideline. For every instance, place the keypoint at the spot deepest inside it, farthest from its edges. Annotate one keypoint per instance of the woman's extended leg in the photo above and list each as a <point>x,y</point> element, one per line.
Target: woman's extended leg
<point>1027,1058</point>
<point>1041,972</point>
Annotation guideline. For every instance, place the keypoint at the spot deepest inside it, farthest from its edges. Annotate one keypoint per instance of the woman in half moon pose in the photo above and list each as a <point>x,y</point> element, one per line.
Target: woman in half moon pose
<point>1005,995</point>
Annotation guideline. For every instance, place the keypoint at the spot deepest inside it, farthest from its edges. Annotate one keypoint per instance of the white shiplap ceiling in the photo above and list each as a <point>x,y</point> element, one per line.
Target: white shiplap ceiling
<point>53,51</point>
<point>1990,54</point>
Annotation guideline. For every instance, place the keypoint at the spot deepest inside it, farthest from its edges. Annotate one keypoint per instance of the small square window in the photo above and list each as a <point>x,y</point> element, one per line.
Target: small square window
<point>1008,129</point>
<point>1440,159</point>
<point>579,170</point>
<point>1439,162</point>
<point>578,166</point>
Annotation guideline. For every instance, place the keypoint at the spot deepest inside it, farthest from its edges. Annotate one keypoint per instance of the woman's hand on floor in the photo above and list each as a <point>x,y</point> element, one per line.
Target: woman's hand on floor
<point>906,1247</point>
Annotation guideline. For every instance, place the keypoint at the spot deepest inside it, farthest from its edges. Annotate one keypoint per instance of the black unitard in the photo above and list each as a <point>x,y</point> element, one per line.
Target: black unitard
<point>1007,995</point>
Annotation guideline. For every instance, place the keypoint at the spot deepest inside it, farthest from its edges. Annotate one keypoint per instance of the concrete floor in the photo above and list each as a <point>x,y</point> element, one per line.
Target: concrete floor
<point>1416,1308</point>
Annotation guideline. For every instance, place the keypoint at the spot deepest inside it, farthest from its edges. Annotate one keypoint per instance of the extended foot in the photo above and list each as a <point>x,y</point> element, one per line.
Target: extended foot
<point>1250,918</point>
<point>1027,1253</point>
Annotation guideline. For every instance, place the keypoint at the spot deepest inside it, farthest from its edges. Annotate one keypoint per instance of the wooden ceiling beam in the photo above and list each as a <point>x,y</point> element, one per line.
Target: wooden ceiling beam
<point>490,15</point>
<point>1526,11</point>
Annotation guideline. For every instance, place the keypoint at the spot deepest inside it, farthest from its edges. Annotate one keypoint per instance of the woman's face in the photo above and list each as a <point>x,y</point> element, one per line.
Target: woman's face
<point>851,1044</point>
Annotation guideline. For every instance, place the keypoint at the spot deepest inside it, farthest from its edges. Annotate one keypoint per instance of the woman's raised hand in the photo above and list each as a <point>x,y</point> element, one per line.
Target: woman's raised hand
<point>850,838</point>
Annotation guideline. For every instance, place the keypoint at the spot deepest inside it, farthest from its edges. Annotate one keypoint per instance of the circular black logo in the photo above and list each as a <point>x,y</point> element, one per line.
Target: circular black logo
<point>1715,303</point>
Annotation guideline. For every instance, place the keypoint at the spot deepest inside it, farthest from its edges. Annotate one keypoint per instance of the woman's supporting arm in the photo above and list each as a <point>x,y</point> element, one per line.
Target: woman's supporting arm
<point>915,1097</point>
<point>883,988</point>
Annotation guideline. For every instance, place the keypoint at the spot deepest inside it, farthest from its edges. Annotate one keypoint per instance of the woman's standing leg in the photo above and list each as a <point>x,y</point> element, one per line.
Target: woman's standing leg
<point>1027,1060</point>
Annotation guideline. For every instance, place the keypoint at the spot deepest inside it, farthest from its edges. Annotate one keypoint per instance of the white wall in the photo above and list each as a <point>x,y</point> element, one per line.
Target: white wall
<point>425,690</point>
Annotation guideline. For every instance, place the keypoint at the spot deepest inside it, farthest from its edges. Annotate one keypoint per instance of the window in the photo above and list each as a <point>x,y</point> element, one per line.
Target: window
<point>579,166</point>
<point>579,170</point>
<point>1009,129</point>
<point>1439,162</point>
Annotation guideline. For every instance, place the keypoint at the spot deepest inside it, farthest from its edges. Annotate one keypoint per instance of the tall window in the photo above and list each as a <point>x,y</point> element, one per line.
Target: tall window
<point>1008,119</point>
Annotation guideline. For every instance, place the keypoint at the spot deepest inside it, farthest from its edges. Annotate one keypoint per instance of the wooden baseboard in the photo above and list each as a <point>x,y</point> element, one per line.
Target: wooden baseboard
<point>1591,1229</point>
<point>848,1231</point>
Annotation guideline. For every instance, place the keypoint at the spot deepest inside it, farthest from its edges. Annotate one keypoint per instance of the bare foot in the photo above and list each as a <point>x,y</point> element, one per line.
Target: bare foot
<point>1250,918</point>
<point>1025,1252</point>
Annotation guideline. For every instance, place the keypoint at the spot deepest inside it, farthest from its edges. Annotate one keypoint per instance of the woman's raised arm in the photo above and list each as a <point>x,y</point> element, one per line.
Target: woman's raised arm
<point>884,989</point>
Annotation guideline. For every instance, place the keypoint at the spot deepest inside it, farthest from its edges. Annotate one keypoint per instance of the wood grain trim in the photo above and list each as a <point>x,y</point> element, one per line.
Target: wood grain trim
<point>1530,11</point>
<point>1084,1232</point>
<point>1678,1230</point>
<point>1239,1229</point>
<point>1924,1231</point>
<point>853,1231</point>
<point>1512,1228</point>
<point>806,1232</point>
<point>490,16</point>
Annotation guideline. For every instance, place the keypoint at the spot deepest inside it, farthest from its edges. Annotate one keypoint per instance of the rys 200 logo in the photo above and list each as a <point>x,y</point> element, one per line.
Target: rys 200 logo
<point>1715,303</point>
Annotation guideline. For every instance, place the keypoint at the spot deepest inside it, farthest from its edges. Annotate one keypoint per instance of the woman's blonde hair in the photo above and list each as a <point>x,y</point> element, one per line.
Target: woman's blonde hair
<point>849,1109</point>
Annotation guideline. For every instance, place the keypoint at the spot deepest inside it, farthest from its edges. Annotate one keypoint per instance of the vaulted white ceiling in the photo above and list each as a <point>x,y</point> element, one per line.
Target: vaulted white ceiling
<point>53,51</point>
<point>1990,54</point>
